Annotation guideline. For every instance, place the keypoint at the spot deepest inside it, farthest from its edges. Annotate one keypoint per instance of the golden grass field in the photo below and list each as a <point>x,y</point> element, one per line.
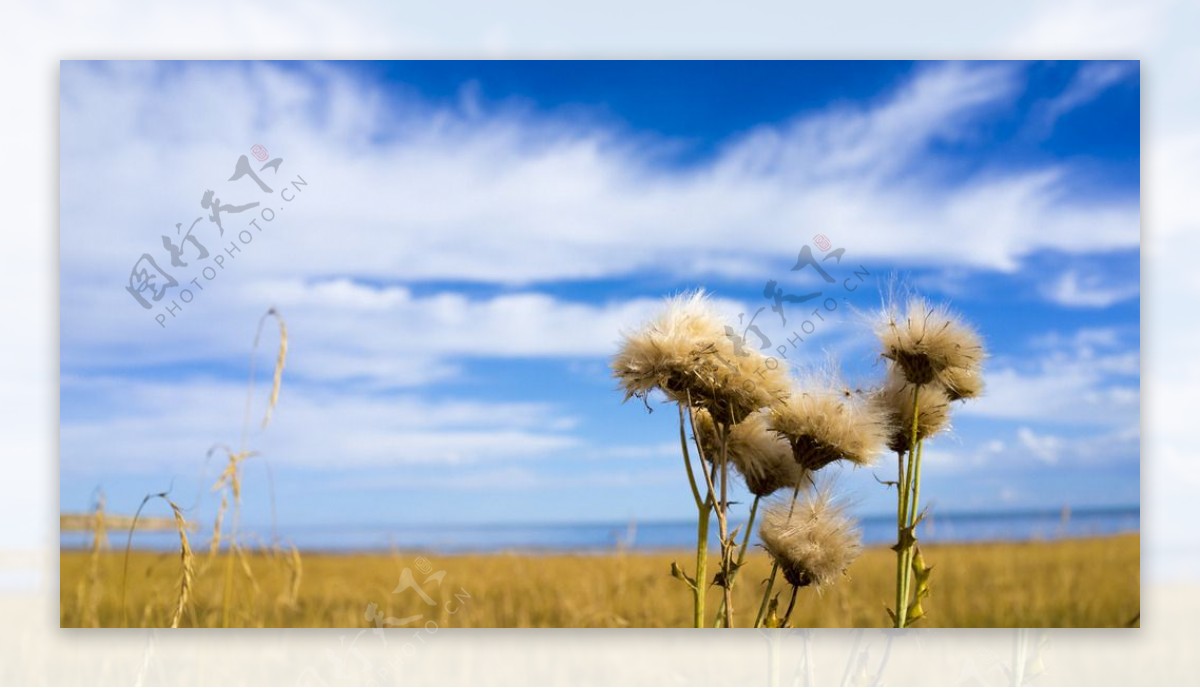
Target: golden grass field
<point>1073,583</point>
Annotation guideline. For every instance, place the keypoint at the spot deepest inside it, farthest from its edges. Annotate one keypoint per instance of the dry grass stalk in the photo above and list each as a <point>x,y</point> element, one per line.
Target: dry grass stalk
<point>187,559</point>
<point>187,567</point>
<point>280,358</point>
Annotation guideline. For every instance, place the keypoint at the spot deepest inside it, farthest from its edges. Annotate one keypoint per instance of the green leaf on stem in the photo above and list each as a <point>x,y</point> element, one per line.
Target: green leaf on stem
<point>677,572</point>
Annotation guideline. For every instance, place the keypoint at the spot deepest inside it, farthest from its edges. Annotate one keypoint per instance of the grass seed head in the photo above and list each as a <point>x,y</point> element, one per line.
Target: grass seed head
<point>187,564</point>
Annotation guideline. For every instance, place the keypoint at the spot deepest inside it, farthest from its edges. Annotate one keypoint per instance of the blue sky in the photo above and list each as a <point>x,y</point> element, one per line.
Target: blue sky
<point>473,237</point>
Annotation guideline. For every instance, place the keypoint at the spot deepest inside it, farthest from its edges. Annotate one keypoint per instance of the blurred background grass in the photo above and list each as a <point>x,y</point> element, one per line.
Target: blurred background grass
<point>1070,583</point>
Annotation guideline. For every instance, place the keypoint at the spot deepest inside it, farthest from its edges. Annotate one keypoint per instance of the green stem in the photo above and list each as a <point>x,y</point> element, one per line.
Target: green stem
<point>704,513</point>
<point>762,607</point>
<point>903,547</point>
<point>687,461</point>
<point>701,565</point>
<point>913,513</point>
<point>916,487</point>
<point>749,527</point>
<point>901,503</point>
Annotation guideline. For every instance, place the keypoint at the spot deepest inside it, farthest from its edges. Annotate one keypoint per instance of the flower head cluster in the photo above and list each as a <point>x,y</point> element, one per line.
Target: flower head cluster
<point>929,344</point>
<point>761,456</point>
<point>825,425</point>
<point>812,539</point>
<point>691,355</point>
<point>747,412</point>
<point>895,403</point>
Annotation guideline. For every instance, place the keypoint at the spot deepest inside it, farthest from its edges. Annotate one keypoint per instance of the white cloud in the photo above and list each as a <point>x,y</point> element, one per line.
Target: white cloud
<point>1089,290</point>
<point>1046,448</point>
<point>1090,377</point>
<point>347,331</point>
<point>400,190</point>
<point>1028,448</point>
<point>1092,79</point>
<point>176,423</point>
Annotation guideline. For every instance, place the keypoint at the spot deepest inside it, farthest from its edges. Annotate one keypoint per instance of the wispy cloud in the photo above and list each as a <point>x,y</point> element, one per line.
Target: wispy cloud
<point>1092,79</point>
<point>1088,378</point>
<point>406,189</point>
<point>176,423</point>
<point>1077,288</point>
<point>1044,447</point>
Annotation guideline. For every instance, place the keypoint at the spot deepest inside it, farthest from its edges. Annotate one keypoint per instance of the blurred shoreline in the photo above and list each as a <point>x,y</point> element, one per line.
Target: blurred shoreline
<point>649,536</point>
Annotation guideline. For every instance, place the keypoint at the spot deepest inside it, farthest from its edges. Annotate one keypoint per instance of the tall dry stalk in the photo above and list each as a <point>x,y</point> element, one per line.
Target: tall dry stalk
<point>187,567</point>
<point>186,560</point>
<point>230,478</point>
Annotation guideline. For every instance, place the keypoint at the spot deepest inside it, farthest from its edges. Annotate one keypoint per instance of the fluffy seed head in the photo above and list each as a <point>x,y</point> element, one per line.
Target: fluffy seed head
<point>688,353</point>
<point>963,383</point>
<point>761,456</point>
<point>926,341</point>
<point>824,425</point>
<point>814,542</point>
<point>895,404</point>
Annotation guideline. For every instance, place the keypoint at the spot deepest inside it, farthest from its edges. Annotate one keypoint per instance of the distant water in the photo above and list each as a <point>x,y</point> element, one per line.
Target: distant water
<point>600,537</point>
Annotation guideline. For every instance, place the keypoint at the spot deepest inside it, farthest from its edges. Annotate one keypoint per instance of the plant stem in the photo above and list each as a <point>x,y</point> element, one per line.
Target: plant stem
<point>901,504</point>
<point>762,607</point>
<point>791,605</point>
<point>723,522</point>
<point>749,528</point>
<point>904,546</point>
<point>701,586</point>
<point>687,460</point>
<point>916,487</point>
<point>742,552</point>
<point>703,513</point>
<point>913,514</point>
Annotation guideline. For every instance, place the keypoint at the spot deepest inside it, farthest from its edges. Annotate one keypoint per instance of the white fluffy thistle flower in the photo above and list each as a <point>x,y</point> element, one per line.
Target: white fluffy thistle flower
<point>814,541</point>
<point>689,353</point>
